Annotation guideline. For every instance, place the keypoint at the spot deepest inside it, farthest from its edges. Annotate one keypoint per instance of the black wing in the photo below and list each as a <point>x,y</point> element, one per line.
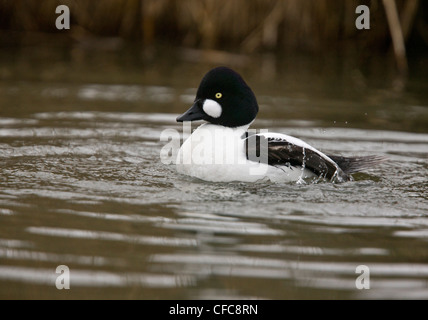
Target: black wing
<point>282,152</point>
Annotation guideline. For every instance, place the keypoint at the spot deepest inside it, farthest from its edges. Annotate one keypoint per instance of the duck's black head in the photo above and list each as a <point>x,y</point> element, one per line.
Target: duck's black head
<point>223,98</point>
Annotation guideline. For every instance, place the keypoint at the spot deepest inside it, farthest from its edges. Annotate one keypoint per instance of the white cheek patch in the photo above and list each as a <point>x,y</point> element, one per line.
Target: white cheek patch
<point>212,108</point>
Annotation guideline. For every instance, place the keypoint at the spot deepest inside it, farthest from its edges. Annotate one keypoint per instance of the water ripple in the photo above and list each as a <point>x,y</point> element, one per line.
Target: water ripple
<point>87,189</point>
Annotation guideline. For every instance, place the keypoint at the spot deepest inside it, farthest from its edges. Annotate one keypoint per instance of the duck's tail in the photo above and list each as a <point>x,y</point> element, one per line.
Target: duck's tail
<point>351,165</point>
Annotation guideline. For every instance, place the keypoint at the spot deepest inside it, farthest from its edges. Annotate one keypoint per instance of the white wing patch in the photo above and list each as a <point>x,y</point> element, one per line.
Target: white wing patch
<point>297,142</point>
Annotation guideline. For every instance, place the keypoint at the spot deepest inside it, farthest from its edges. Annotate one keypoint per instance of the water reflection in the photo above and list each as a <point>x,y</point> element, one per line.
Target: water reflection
<point>88,278</point>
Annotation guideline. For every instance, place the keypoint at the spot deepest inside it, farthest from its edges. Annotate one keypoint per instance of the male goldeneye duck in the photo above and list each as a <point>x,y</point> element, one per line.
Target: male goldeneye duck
<point>224,150</point>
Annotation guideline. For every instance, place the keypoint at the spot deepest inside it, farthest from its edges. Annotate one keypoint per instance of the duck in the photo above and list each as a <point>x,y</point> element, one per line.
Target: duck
<point>225,149</point>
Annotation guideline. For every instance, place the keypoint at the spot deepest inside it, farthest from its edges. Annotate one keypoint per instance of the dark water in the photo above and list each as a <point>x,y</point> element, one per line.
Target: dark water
<point>82,184</point>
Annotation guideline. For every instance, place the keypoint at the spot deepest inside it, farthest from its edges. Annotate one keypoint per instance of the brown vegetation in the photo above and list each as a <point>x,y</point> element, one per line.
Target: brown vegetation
<point>241,25</point>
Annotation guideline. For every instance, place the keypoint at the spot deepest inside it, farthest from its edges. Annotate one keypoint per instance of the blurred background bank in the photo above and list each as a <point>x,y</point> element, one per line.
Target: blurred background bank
<point>298,48</point>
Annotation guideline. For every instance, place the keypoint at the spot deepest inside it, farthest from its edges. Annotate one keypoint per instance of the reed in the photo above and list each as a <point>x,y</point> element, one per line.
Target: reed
<point>241,25</point>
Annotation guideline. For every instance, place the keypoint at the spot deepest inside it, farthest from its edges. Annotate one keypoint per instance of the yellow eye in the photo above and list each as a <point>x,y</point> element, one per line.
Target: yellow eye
<point>218,95</point>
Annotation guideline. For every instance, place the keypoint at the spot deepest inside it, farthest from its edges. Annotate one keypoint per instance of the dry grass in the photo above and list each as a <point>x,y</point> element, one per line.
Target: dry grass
<point>244,25</point>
